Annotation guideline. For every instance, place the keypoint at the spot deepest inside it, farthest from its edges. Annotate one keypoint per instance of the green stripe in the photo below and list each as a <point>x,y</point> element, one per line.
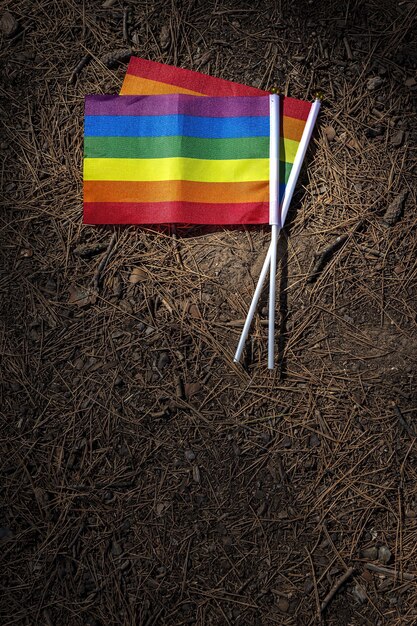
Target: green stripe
<point>284,171</point>
<point>189,147</point>
<point>168,147</point>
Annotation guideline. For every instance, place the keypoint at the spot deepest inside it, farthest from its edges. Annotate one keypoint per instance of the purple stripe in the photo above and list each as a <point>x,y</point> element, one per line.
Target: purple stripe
<point>182,104</point>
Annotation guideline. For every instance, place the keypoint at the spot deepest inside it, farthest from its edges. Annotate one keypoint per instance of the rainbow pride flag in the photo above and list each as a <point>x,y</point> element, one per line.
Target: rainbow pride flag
<point>166,154</point>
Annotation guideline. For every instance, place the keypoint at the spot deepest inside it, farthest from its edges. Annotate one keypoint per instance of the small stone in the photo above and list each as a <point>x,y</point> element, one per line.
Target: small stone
<point>376,131</point>
<point>5,533</point>
<point>108,497</point>
<point>116,548</point>
<point>190,455</point>
<point>163,361</point>
<point>384,554</point>
<point>125,565</point>
<point>410,82</point>
<point>286,442</point>
<point>374,83</point>
<point>314,441</point>
<point>370,553</point>
<point>126,306</point>
<point>165,37</point>
<point>8,24</point>
<point>397,139</point>
<point>160,508</point>
<point>359,594</point>
<point>283,605</point>
<point>26,253</point>
<point>330,132</point>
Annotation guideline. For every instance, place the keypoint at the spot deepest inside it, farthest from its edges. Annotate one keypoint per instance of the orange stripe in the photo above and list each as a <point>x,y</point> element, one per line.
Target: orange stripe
<point>135,86</point>
<point>292,128</point>
<point>174,190</point>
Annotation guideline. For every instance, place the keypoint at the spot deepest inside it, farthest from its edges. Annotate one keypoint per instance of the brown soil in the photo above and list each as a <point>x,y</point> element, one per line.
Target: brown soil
<point>146,479</point>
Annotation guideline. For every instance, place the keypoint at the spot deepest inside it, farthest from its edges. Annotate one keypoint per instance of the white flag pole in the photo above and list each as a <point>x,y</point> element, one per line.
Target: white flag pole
<point>289,190</point>
<point>274,139</point>
<point>253,305</point>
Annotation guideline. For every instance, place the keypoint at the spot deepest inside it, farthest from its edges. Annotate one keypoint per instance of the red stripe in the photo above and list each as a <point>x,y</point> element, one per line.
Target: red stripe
<point>299,109</point>
<point>188,79</point>
<point>209,85</point>
<point>175,212</point>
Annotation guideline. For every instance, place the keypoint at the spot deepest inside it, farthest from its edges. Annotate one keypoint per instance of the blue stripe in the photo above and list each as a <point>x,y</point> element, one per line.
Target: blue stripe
<point>173,125</point>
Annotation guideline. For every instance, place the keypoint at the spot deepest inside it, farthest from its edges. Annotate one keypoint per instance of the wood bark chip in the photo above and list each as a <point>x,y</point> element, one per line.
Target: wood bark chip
<point>389,572</point>
<point>323,256</point>
<point>326,254</point>
<point>395,209</point>
<point>126,25</point>
<point>87,250</point>
<point>112,59</point>
<point>84,61</point>
<point>103,262</point>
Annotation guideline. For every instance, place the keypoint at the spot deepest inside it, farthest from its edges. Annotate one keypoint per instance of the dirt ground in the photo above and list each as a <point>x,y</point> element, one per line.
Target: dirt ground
<point>145,478</point>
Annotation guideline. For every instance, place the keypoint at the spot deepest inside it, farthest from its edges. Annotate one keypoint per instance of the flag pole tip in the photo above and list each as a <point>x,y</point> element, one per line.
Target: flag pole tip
<point>275,90</point>
<point>318,95</point>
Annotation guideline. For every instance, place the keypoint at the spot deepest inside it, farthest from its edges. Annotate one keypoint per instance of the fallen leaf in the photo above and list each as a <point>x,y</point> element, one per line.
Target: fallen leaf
<point>80,296</point>
<point>353,143</point>
<point>137,275</point>
<point>190,389</point>
<point>194,311</point>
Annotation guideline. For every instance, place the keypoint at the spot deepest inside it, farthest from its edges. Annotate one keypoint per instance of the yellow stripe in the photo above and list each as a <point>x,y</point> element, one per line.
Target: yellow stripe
<point>287,150</point>
<point>137,86</point>
<point>178,168</point>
